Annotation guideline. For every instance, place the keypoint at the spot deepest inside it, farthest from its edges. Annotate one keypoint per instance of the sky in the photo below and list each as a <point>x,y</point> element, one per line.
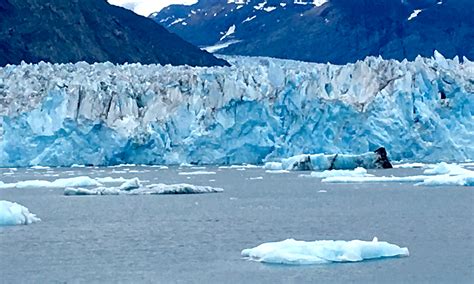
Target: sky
<point>146,7</point>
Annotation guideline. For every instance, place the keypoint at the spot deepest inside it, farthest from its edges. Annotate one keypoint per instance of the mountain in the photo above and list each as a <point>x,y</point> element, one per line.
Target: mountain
<point>336,31</point>
<point>88,30</point>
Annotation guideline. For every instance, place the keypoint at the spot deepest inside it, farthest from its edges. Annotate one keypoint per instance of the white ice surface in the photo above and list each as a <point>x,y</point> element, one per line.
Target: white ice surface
<point>12,213</point>
<point>134,187</point>
<point>59,183</point>
<point>435,175</point>
<point>318,252</point>
<point>358,172</point>
<point>196,173</point>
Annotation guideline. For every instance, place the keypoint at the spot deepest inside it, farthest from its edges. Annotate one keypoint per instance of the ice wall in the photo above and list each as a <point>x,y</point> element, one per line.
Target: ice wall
<point>258,109</point>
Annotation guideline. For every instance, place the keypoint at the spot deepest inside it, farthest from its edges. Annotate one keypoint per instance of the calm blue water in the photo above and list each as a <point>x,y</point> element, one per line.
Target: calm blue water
<point>198,238</point>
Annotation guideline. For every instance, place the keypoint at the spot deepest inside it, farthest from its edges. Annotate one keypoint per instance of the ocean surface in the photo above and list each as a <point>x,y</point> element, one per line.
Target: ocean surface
<point>198,238</point>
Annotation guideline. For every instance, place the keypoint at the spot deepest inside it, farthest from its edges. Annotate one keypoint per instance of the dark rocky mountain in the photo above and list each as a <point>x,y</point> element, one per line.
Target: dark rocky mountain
<point>337,31</point>
<point>88,30</point>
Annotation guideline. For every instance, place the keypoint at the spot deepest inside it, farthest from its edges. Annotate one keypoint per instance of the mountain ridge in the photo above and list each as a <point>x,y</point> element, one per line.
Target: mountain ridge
<point>335,31</point>
<point>88,30</point>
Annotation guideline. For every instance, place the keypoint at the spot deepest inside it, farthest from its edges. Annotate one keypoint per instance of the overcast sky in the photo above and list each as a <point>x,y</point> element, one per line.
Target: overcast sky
<point>146,7</point>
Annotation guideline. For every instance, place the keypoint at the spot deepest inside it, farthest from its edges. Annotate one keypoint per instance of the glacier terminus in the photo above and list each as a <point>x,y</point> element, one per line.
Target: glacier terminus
<point>105,114</point>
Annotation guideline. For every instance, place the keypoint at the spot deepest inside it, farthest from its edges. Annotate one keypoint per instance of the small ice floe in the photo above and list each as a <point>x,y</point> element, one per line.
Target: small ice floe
<point>256,178</point>
<point>409,166</point>
<point>358,172</point>
<point>59,183</point>
<point>40,168</point>
<point>445,168</point>
<point>277,171</point>
<point>435,175</point>
<point>374,179</point>
<point>12,213</point>
<point>196,173</point>
<point>273,166</point>
<point>111,180</point>
<point>159,167</point>
<point>77,166</point>
<point>294,252</point>
<point>460,180</point>
<point>181,188</point>
<point>244,166</point>
<point>134,187</point>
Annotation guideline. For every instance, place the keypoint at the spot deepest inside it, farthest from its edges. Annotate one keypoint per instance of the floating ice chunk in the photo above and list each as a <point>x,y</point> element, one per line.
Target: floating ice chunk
<point>450,169</point>
<point>374,179</point>
<point>273,166</point>
<point>160,167</point>
<point>111,180</point>
<point>12,213</point>
<point>277,171</point>
<point>358,172</point>
<point>321,162</point>
<point>409,166</point>
<point>460,180</point>
<point>318,252</point>
<point>40,168</point>
<point>256,178</point>
<point>176,189</point>
<point>59,183</point>
<point>196,173</point>
<point>145,190</point>
<point>69,191</point>
<point>133,183</point>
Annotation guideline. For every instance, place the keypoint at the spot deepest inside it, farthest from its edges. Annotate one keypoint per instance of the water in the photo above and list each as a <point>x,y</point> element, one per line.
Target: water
<point>198,238</point>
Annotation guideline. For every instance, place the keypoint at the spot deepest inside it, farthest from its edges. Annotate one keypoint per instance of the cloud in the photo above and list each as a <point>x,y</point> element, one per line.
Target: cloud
<point>146,7</point>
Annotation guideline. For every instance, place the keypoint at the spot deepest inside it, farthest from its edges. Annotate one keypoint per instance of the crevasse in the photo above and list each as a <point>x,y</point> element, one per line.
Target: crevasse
<point>259,109</point>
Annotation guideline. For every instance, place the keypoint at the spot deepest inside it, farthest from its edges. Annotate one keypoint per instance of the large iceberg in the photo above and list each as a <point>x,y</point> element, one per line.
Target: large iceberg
<point>319,162</point>
<point>153,189</point>
<point>12,213</point>
<point>135,187</point>
<point>258,110</point>
<point>318,252</point>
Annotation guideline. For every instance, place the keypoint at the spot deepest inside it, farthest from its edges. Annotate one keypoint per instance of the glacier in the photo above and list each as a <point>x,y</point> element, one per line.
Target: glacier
<point>12,213</point>
<point>258,110</point>
<point>293,252</point>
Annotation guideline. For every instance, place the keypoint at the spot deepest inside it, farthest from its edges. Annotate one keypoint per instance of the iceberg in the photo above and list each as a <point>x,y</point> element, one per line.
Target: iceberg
<point>320,162</point>
<point>134,187</point>
<point>293,252</point>
<point>196,173</point>
<point>358,172</point>
<point>59,183</point>
<point>12,213</point>
<point>257,110</point>
<point>435,175</point>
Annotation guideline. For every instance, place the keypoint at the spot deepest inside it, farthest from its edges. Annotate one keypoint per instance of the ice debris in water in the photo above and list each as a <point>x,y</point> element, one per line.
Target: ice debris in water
<point>295,252</point>
<point>134,187</point>
<point>59,183</point>
<point>439,174</point>
<point>196,173</point>
<point>321,162</point>
<point>358,172</point>
<point>259,109</point>
<point>12,213</point>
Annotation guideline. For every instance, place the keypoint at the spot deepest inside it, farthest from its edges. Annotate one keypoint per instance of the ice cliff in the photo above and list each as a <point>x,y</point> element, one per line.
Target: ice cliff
<point>258,110</point>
